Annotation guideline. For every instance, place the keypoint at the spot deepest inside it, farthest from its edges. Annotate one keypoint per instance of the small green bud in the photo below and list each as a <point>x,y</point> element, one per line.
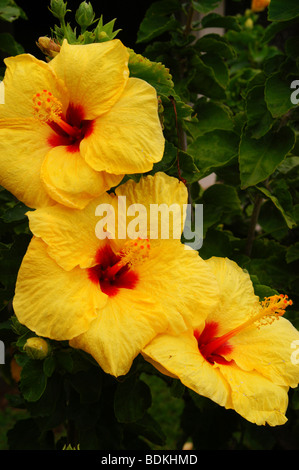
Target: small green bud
<point>36,348</point>
<point>248,23</point>
<point>84,15</point>
<point>58,8</point>
<point>103,35</point>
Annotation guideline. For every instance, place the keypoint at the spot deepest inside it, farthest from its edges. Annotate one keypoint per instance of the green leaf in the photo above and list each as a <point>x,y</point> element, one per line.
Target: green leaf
<point>288,165</point>
<point>274,28</point>
<point>278,94</point>
<point>10,260</point>
<point>292,46</point>
<point>258,158</point>
<point>212,216</point>
<point>168,160</point>
<point>10,11</point>
<point>155,73</point>
<point>216,45</point>
<point>9,45</point>
<point>216,243</point>
<point>158,19</point>
<point>49,366</point>
<point>24,435</point>
<point>259,118</point>
<point>214,20</point>
<point>261,290</point>
<point>88,384</point>
<point>188,167</point>
<point>214,149</point>
<point>223,196</point>
<point>205,6</point>
<point>204,80</point>
<point>209,117</point>
<point>15,213</point>
<point>177,160</point>
<point>148,428</point>
<point>132,399</point>
<point>292,253</point>
<point>272,221</point>
<point>33,380</point>
<point>279,10</point>
<point>219,68</point>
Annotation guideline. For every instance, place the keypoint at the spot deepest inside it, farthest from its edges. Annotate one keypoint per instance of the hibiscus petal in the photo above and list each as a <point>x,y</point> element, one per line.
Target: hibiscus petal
<point>180,356</point>
<point>256,398</point>
<point>129,321</point>
<point>182,281</point>
<point>154,207</point>
<point>24,77</point>
<point>52,302</point>
<point>127,139</point>
<point>70,181</point>
<point>269,350</point>
<point>237,301</point>
<point>23,146</point>
<point>94,74</point>
<point>69,233</point>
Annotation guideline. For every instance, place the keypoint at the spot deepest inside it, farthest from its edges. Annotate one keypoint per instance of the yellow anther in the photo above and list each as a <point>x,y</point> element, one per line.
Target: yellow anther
<point>273,307</point>
<point>135,251</point>
<point>46,107</point>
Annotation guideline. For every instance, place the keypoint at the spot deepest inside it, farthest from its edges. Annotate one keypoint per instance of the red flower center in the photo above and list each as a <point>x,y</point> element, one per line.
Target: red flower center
<point>110,273</point>
<point>208,346</point>
<point>69,129</point>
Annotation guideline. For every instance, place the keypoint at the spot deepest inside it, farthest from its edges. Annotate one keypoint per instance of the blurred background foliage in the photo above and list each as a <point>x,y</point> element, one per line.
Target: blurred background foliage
<point>224,86</point>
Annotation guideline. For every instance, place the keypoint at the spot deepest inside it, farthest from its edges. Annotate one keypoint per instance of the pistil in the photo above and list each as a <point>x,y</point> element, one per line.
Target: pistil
<point>270,309</point>
<point>133,252</point>
<point>47,108</point>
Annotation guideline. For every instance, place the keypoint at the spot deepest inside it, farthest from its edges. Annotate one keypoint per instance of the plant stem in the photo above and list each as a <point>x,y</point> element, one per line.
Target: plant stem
<point>189,19</point>
<point>253,223</point>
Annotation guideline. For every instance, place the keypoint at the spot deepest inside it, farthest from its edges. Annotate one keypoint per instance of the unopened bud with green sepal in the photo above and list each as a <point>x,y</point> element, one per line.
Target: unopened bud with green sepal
<point>37,348</point>
<point>84,15</point>
<point>58,9</point>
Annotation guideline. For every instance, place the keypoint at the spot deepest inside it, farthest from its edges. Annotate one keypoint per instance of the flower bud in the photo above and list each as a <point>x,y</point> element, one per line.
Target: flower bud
<point>259,5</point>
<point>102,36</point>
<point>48,47</point>
<point>36,348</point>
<point>58,8</point>
<point>84,15</point>
<point>248,23</point>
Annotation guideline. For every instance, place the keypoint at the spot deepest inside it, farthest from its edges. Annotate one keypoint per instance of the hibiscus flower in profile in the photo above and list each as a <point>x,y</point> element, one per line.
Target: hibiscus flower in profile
<point>71,128</point>
<point>259,5</point>
<point>111,296</point>
<point>240,355</point>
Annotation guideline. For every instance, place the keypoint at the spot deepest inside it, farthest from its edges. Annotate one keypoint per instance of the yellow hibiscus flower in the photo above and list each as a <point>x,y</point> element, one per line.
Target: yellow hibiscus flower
<point>110,297</point>
<point>71,128</point>
<point>239,356</point>
<point>259,5</point>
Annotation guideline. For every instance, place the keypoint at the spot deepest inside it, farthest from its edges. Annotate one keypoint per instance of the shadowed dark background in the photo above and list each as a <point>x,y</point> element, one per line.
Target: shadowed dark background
<point>128,14</point>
